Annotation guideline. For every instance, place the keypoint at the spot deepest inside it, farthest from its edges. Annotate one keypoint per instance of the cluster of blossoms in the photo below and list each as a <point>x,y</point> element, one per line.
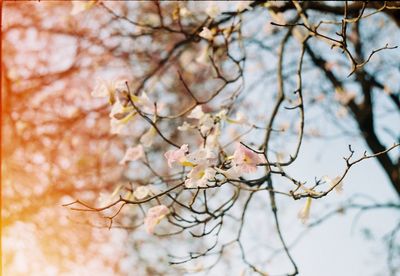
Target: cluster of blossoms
<point>204,161</point>
<point>123,111</point>
<point>205,166</point>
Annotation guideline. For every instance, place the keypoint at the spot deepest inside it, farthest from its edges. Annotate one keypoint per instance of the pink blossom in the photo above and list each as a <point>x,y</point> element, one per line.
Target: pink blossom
<point>203,156</point>
<point>154,216</point>
<point>132,154</point>
<point>199,176</point>
<point>177,155</point>
<point>246,160</point>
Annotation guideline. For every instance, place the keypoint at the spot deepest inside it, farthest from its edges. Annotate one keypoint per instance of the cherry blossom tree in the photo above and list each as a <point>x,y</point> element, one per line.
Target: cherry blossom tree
<point>185,124</point>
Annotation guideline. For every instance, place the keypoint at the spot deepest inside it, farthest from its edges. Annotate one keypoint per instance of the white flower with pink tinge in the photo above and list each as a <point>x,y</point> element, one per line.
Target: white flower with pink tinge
<point>196,113</point>
<point>120,115</point>
<point>199,176</point>
<point>178,155</point>
<point>206,124</point>
<point>304,214</point>
<point>141,192</point>
<point>335,182</point>
<point>145,104</point>
<point>246,160</point>
<point>206,34</point>
<point>132,154</point>
<point>154,216</point>
<point>202,156</point>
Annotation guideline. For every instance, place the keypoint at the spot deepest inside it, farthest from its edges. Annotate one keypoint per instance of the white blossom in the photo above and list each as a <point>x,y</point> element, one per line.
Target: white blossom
<point>203,156</point>
<point>206,34</point>
<point>119,116</point>
<point>212,141</point>
<point>206,123</point>
<point>304,214</point>
<point>333,182</point>
<point>132,154</point>
<point>197,113</point>
<point>141,192</point>
<point>154,217</point>
<point>178,155</point>
<point>199,176</point>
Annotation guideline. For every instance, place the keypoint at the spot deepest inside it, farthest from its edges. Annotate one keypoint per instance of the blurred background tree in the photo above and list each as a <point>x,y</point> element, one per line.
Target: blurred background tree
<point>58,145</point>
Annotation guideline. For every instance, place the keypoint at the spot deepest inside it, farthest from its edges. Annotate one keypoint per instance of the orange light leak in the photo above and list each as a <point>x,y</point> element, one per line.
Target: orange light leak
<point>49,157</point>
